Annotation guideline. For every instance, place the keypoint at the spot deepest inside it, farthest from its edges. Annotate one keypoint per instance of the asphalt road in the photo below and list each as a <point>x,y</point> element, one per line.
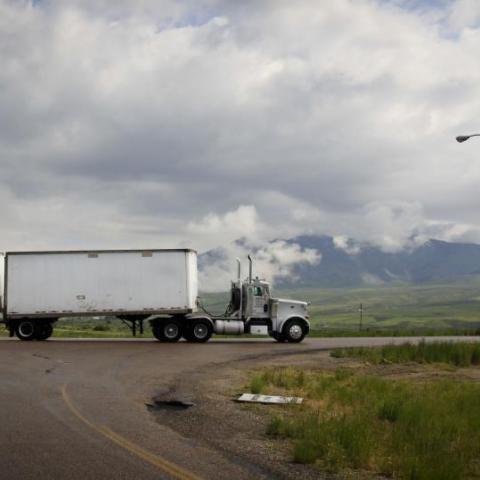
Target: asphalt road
<point>76,409</point>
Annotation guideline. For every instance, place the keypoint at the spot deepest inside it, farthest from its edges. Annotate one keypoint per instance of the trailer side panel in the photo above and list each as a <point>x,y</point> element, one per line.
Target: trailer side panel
<point>64,283</point>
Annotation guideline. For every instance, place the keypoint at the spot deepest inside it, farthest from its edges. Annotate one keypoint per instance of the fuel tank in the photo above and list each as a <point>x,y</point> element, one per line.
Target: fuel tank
<point>229,327</point>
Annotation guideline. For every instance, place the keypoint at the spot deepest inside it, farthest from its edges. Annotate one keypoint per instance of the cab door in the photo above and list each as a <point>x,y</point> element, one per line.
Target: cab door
<point>260,308</point>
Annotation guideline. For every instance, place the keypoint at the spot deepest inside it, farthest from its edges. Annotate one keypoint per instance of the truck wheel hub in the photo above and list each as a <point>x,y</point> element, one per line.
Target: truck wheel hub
<point>26,329</point>
<point>295,331</point>
<point>200,330</point>
<point>171,330</point>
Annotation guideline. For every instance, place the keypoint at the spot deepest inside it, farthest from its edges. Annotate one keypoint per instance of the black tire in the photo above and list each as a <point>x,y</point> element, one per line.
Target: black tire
<point>294,331</point>
<point>279,337</point>
<point>168,331</point>
<point>26,330</point>
<point>44,331</point>
<point>187,334</point>
<point>199,331</point>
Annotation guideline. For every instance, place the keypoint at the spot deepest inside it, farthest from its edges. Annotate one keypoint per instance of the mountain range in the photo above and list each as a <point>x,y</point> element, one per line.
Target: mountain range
<point>353,265</point>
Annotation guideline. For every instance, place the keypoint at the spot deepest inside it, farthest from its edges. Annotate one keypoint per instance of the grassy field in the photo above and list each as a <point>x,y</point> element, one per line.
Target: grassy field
<point>358,424</point>
<point>457,354</point>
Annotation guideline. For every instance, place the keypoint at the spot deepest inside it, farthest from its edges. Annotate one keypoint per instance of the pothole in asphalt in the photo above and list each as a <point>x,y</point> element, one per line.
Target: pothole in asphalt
<point>173,404</point>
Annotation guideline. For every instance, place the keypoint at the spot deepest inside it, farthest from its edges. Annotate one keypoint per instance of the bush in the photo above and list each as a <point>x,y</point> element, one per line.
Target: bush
<point>257,384</point>
<point>101,328</point>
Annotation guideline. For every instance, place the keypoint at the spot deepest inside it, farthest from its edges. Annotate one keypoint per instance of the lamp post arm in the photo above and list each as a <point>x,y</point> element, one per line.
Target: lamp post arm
<point>463,138</point>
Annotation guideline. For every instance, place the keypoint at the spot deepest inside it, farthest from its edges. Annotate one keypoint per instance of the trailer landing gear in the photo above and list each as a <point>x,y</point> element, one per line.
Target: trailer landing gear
<point>131,322</point>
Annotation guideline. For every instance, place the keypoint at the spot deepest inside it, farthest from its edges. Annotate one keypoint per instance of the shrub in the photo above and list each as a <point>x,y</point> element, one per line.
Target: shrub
<point>257,384</point>
<point>101,328</point>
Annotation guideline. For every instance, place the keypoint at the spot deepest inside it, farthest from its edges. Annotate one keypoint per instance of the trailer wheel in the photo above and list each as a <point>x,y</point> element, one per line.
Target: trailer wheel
<point>294,331</point>
<point>44,331</point>
<point>167,331</point>
<point>26,330</point>
<point>187,334</point>
<point>200,331</point>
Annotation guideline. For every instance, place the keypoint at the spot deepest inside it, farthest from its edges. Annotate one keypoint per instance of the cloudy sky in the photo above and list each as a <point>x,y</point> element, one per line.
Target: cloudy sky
<point>193,123</point>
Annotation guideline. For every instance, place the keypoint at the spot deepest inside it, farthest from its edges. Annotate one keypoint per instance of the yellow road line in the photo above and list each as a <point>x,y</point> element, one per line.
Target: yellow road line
<point>168,467</point>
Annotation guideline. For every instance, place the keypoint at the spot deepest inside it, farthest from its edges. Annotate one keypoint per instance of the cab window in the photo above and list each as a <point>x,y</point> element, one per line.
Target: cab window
<point>258,292</point>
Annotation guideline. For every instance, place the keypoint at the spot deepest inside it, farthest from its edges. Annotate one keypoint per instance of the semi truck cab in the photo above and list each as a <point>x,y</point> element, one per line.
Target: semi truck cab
<point>253,310</point>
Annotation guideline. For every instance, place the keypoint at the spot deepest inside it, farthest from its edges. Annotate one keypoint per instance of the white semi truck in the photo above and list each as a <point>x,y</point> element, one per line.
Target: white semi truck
<point>136,285</point>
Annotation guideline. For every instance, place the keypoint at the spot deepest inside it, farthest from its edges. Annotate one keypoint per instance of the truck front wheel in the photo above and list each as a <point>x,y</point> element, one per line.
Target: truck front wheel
<point>26,330</point>
<point>167,331</point>
<point>294,331</point>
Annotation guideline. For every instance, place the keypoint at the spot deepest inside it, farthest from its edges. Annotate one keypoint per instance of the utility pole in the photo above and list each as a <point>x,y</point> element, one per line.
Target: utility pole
<point>361,316</point>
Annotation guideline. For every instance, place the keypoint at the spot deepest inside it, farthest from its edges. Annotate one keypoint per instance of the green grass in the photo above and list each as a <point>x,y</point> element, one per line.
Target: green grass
<point>394,332</point>
<point>400,429</point>
<point>460,354</point>
<point>101,328</point>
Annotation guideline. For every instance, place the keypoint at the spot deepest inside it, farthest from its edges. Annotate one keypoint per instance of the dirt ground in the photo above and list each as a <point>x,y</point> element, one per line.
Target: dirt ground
<point>238,430</point>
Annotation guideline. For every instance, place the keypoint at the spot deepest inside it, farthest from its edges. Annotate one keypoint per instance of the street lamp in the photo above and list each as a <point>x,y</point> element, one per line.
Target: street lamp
<point>463,138</point>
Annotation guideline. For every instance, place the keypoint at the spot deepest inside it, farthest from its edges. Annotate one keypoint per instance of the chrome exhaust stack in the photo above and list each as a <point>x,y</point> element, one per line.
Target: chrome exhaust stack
<point>239,270</point>
<point>250,269</point>
<point>239,274</point>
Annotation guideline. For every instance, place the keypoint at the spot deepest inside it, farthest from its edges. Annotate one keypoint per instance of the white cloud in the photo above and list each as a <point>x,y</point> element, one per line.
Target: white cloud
<point>276,259</point>
<point>216,229</point>
<point>242,232</point>
<point>272,261</point>
<point>464,14</point>
<point>342,242</point>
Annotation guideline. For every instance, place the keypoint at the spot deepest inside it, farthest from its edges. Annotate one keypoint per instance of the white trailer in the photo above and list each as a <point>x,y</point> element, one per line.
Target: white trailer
<point>133,285</point>
<point>129,284</point>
